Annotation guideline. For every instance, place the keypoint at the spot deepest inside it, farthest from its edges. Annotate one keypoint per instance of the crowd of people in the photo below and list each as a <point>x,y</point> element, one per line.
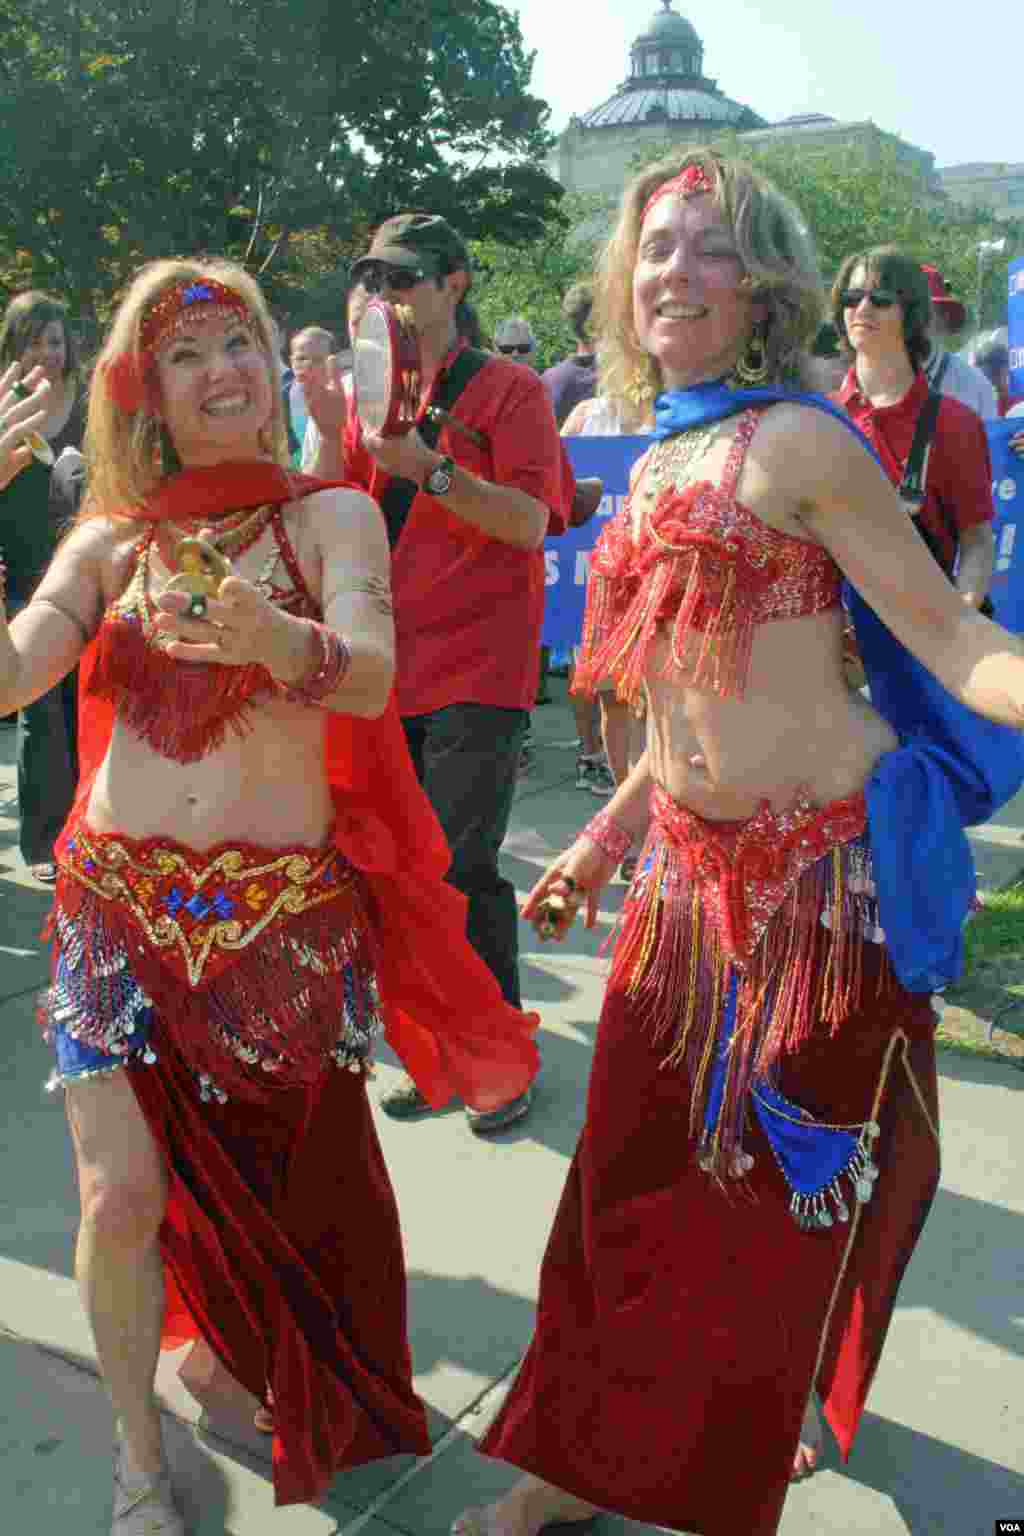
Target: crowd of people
<point>305,663</point>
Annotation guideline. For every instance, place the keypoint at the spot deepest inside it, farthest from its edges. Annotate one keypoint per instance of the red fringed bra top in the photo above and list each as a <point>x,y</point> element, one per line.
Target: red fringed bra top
<point>184,709</point>
<point>703,563</point>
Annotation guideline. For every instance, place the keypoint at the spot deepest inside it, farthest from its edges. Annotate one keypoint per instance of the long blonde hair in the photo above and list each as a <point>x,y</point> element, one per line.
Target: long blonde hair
<point>128,454</point>
<point>778,258</point>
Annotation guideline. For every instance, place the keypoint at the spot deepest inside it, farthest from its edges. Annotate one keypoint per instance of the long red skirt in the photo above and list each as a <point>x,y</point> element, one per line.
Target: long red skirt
<point>680,1327</point>
<point>282,1242</point>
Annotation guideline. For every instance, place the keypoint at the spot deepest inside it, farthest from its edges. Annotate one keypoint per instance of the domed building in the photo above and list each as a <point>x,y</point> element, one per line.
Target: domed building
<point>667,97</point>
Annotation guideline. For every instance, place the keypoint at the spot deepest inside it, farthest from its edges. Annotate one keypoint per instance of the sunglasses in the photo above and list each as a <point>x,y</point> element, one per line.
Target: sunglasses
<point>879,298</point>
<point>398,279</point>
<point>524,348</point>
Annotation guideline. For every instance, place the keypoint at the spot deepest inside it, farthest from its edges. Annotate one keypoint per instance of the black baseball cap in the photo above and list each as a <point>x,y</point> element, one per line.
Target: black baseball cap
<point>417,241</point>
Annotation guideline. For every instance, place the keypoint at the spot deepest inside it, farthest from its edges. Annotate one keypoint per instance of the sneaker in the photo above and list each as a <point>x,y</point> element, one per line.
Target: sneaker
<point>586,764</point>
<point>483,1121</point>
<point>405,1102</point>
<point>602,780</point>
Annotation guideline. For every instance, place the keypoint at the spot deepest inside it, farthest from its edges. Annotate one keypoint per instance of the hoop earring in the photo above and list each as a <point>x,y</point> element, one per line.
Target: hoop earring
<point>752,364</point>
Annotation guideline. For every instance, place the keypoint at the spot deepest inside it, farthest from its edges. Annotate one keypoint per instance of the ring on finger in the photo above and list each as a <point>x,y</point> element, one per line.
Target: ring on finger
<point>19,390</point>
<point>197,606</point>
<point>570,883</point>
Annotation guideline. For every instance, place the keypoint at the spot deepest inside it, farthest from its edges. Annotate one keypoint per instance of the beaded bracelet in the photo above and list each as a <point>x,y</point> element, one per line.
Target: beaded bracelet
<point>329,668</point>
<point>610,837</point>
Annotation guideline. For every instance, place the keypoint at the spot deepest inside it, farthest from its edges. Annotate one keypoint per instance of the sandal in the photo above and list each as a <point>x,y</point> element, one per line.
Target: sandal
<point>146,1511</point>
<point>45,873</point>
<point>808,1451</point>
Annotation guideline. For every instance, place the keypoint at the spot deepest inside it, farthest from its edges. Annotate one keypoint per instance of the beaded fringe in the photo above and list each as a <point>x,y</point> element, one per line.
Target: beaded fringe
<point>301,997</point>
<point>806,967</point>
<point>182,709</point>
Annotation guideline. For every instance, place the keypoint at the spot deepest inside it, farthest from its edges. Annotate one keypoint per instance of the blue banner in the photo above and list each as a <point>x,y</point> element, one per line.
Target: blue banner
<point>1008,525</point>
<point>1015,326</point>
<point>567,559</point>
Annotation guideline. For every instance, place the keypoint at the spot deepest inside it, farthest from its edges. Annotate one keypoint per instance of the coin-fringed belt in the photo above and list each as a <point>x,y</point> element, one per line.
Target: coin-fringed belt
<point>254,962</point>
<point>738,939</point>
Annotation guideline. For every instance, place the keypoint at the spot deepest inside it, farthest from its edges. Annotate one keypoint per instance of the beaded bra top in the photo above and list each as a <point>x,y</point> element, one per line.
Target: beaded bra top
<point>184,709</point>
<point>703,563</point>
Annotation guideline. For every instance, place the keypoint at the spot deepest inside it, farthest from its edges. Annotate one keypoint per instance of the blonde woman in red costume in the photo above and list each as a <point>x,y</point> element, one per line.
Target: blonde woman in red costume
<point>760,1149</point>
<point>244,885</point>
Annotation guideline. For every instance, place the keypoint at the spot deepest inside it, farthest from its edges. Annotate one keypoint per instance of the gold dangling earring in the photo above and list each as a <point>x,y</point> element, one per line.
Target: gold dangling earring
<point>752,365</point>
<point>641,389</point>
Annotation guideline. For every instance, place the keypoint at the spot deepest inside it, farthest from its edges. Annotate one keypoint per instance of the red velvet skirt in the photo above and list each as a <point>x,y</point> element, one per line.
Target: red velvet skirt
<point>681,1326</point>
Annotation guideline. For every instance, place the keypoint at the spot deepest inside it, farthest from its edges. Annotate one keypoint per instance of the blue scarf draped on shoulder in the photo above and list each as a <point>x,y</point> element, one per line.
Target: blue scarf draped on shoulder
<point>952,770</point>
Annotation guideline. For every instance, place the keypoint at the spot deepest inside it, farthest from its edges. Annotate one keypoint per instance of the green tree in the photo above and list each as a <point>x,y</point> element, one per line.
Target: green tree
<point>533,279</point>
<point>276,131</point>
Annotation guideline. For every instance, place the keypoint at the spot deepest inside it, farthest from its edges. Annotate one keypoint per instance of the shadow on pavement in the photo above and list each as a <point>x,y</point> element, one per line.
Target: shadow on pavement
<point>936,1487</point>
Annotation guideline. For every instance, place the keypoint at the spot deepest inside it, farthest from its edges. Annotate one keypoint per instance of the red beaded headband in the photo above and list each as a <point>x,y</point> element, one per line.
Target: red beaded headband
<point>691,180</point>
<point>125,376</point>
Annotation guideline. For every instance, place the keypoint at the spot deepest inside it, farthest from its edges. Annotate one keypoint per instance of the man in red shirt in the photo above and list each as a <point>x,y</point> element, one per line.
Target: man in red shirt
<point>467,579</point>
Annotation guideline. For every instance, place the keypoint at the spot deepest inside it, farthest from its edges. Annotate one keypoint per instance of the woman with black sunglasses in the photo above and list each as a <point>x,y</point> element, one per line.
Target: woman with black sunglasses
<point>882,310</point>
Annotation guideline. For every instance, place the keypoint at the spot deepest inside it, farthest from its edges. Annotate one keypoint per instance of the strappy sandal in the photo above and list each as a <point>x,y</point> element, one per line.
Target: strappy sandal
<point>146,1511</point>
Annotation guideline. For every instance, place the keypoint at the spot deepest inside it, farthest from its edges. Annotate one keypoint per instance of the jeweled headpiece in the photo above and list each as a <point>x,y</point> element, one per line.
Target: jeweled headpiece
<point>691,180</point>
<point>175,309</point>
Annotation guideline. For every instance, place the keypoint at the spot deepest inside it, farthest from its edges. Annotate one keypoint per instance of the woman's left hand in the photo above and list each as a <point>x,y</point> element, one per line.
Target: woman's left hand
<point>239,628</point>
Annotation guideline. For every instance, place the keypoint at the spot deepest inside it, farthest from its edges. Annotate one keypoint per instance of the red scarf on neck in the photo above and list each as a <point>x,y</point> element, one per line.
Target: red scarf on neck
<point>443,1010</point>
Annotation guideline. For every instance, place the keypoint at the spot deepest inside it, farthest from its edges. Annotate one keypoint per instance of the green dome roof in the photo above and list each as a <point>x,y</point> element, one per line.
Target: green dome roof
<point>667,26</point>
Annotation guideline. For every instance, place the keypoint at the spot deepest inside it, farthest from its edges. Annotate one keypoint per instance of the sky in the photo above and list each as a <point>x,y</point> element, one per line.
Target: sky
<point>946,79</point>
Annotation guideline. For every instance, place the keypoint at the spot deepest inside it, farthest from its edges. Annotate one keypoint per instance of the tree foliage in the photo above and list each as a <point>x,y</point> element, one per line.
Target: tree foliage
<point>533,279</point>
<point>275,131</point>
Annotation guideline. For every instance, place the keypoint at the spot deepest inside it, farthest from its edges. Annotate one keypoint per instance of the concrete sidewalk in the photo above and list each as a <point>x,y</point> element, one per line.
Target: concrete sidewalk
<point>941,1450</point>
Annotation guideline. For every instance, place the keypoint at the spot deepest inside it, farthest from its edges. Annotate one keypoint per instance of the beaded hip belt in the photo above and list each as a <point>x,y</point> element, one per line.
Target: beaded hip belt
<point>202,910</point>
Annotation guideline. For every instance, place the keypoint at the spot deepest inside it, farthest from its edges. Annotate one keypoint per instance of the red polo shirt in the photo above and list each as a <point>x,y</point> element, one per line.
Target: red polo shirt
<point>959,483</point>
<point>469,608</point>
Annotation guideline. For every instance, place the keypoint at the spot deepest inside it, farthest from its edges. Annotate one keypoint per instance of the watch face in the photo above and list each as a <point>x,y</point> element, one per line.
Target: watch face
<point>440,479</point>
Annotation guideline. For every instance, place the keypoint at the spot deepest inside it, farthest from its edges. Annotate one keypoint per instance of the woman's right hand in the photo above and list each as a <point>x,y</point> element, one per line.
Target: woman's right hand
<point>19,415</point>
<point>576,877</point>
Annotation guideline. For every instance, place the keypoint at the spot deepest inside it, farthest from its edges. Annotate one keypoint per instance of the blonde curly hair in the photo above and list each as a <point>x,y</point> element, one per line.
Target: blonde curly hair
<point>778,258</point>
<point>128,454</point>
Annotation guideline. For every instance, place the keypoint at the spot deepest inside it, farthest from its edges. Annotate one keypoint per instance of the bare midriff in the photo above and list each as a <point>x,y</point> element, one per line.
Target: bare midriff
<point>799,726</point>
<point>267,787</point>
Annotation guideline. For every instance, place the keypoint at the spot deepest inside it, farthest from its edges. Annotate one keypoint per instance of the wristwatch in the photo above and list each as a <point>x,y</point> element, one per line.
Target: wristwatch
<point>439,481</point>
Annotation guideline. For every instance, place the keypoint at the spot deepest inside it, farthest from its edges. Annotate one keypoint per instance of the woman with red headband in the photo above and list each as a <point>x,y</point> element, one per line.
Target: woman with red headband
<point>249,880</point>
<point>760,1148</point>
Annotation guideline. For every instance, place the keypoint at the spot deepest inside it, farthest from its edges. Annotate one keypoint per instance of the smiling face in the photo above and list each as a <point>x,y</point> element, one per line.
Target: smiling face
<point>215,391</point>
<point>689,310</point>
<point>48,351</point>
<point>873,332</point>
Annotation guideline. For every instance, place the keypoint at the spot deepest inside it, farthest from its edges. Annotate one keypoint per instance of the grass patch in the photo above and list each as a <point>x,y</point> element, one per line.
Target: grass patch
<point>998,930</point>
<point>992,985</point>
